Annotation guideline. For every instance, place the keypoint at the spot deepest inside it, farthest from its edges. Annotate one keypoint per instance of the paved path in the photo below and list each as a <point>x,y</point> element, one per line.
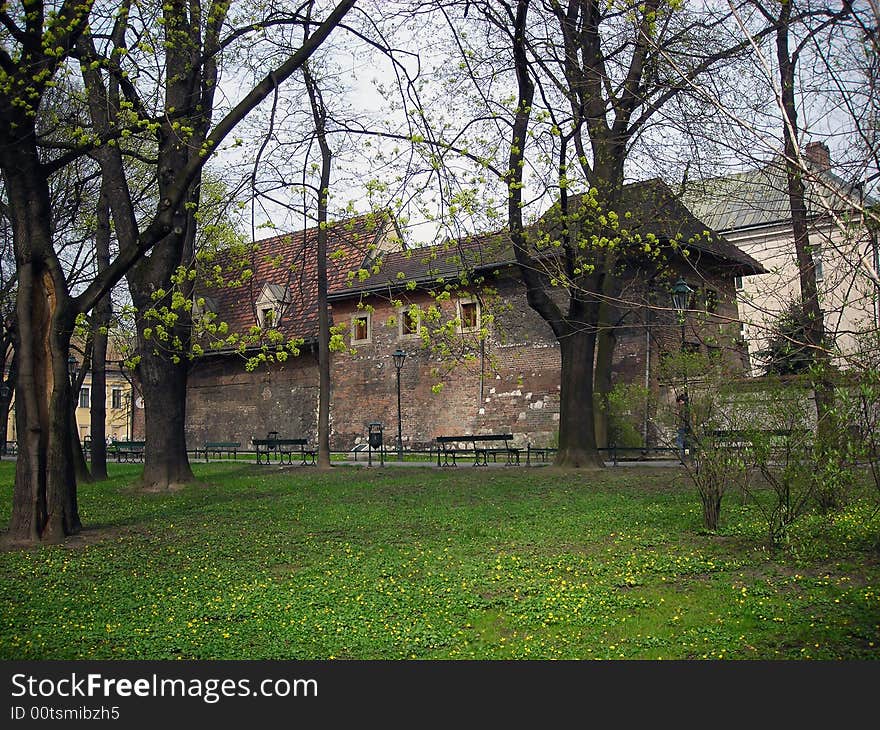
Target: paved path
<point>666,463</point>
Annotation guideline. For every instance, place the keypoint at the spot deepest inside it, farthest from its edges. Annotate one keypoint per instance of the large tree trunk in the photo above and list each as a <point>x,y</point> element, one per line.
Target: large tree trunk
<point>162,380</point>
<point>163,383</point>
<point>577,435</point>
<point>44,506</point>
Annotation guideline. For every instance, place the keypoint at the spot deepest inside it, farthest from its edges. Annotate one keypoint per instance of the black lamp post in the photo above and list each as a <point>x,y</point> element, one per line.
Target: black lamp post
<point>681,294</point>
<point>72,369</point>
<point>399,357</point>
<point>5,392</point>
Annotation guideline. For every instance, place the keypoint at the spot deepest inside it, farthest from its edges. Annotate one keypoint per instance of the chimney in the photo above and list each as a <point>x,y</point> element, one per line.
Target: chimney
<point>818,155</point>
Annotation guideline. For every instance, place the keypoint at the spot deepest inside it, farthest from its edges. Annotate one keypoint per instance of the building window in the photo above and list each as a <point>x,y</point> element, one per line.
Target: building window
<point>469,315</point>
<point>817,264</point>
<point>84,399</point>
<point>270,305</point>
<point>410,322</point>
<point>116,398</point>
<point>738,283</point>
<point>711,301</point>
<point>360,328</point>
<point>266,317</point>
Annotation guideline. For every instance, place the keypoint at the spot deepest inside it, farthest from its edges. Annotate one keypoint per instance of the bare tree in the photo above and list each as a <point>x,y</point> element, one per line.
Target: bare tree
<point>44,498</point>
<point>591,80</point>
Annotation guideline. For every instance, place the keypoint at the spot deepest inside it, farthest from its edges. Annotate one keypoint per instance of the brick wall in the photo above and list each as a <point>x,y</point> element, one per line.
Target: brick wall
<point>511,383</point>
<point>226,403</point>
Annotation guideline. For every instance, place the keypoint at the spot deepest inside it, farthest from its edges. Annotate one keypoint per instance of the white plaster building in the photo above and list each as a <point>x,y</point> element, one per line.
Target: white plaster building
<point>751,210</point>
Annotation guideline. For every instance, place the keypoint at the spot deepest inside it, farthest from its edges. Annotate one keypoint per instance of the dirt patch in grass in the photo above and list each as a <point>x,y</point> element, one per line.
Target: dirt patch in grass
<point>86,537</point>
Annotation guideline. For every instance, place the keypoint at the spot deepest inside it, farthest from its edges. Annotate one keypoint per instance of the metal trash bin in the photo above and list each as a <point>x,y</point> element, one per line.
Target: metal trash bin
<point>374,440</point>
<point>375,435</point>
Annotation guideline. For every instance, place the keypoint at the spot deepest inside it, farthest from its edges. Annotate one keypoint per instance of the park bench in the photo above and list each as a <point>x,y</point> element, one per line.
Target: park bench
<point>449,446</point>
<point>616,453</point>
<point>539,453</point>
<point>733,438</point>
<point>219,448</point>
<point>128,450</point>
<point>284,450</point>
<point>638,453</point>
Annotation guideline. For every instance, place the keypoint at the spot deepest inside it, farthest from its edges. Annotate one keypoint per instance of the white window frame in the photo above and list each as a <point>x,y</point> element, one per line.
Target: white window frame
<point>460,305</point>
<point>402,314</point>
<point>261,316</point>
<point>87,392</point>
<point>114,399</point>
<point>271,297</point>
<point>369,337</point>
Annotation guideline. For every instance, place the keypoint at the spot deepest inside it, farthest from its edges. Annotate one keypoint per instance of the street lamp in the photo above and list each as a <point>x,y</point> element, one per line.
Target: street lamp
<point>72,369</point>
<point>681,294</point>
<point>399,357</point>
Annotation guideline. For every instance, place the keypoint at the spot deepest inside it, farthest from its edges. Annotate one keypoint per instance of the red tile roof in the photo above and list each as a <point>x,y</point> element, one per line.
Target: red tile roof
<point>289,263</point>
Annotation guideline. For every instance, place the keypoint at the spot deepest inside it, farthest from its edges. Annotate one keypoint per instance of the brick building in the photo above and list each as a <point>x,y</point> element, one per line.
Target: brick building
<point>479,358</point>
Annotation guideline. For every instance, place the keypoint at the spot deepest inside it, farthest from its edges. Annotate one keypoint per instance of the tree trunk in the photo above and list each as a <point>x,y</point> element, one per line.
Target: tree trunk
<point>814,326</point>
<point>98,415</point>
<point>711,510</point>
<point>44,506</point>
<point>100,322</point>
<point>163,384</point>
<point>577,435</point>
<point>80,468</point>
<point>319,115</point>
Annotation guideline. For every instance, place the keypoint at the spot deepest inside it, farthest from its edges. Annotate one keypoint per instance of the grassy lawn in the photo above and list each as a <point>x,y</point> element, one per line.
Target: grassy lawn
<point>257,563</point>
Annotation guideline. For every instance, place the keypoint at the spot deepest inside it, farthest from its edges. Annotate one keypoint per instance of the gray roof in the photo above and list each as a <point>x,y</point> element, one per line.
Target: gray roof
<point>760,197</point>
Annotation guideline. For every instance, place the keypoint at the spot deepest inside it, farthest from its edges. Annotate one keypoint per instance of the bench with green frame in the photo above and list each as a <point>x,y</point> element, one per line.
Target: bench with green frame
<point>127,450</point>
<point>284,450</point>
<point>219,448</point>
<point>448,448</point>
<point>745,438</point>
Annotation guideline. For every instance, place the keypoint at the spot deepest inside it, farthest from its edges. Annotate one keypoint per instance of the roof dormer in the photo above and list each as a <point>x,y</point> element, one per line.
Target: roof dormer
<point>271,305</point>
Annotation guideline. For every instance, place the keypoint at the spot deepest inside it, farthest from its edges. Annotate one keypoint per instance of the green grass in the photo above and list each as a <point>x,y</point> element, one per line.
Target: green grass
<point>254,563</point>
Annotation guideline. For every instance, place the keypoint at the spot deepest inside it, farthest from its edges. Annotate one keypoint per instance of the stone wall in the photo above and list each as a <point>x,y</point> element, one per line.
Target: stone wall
<point>510,383</point>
